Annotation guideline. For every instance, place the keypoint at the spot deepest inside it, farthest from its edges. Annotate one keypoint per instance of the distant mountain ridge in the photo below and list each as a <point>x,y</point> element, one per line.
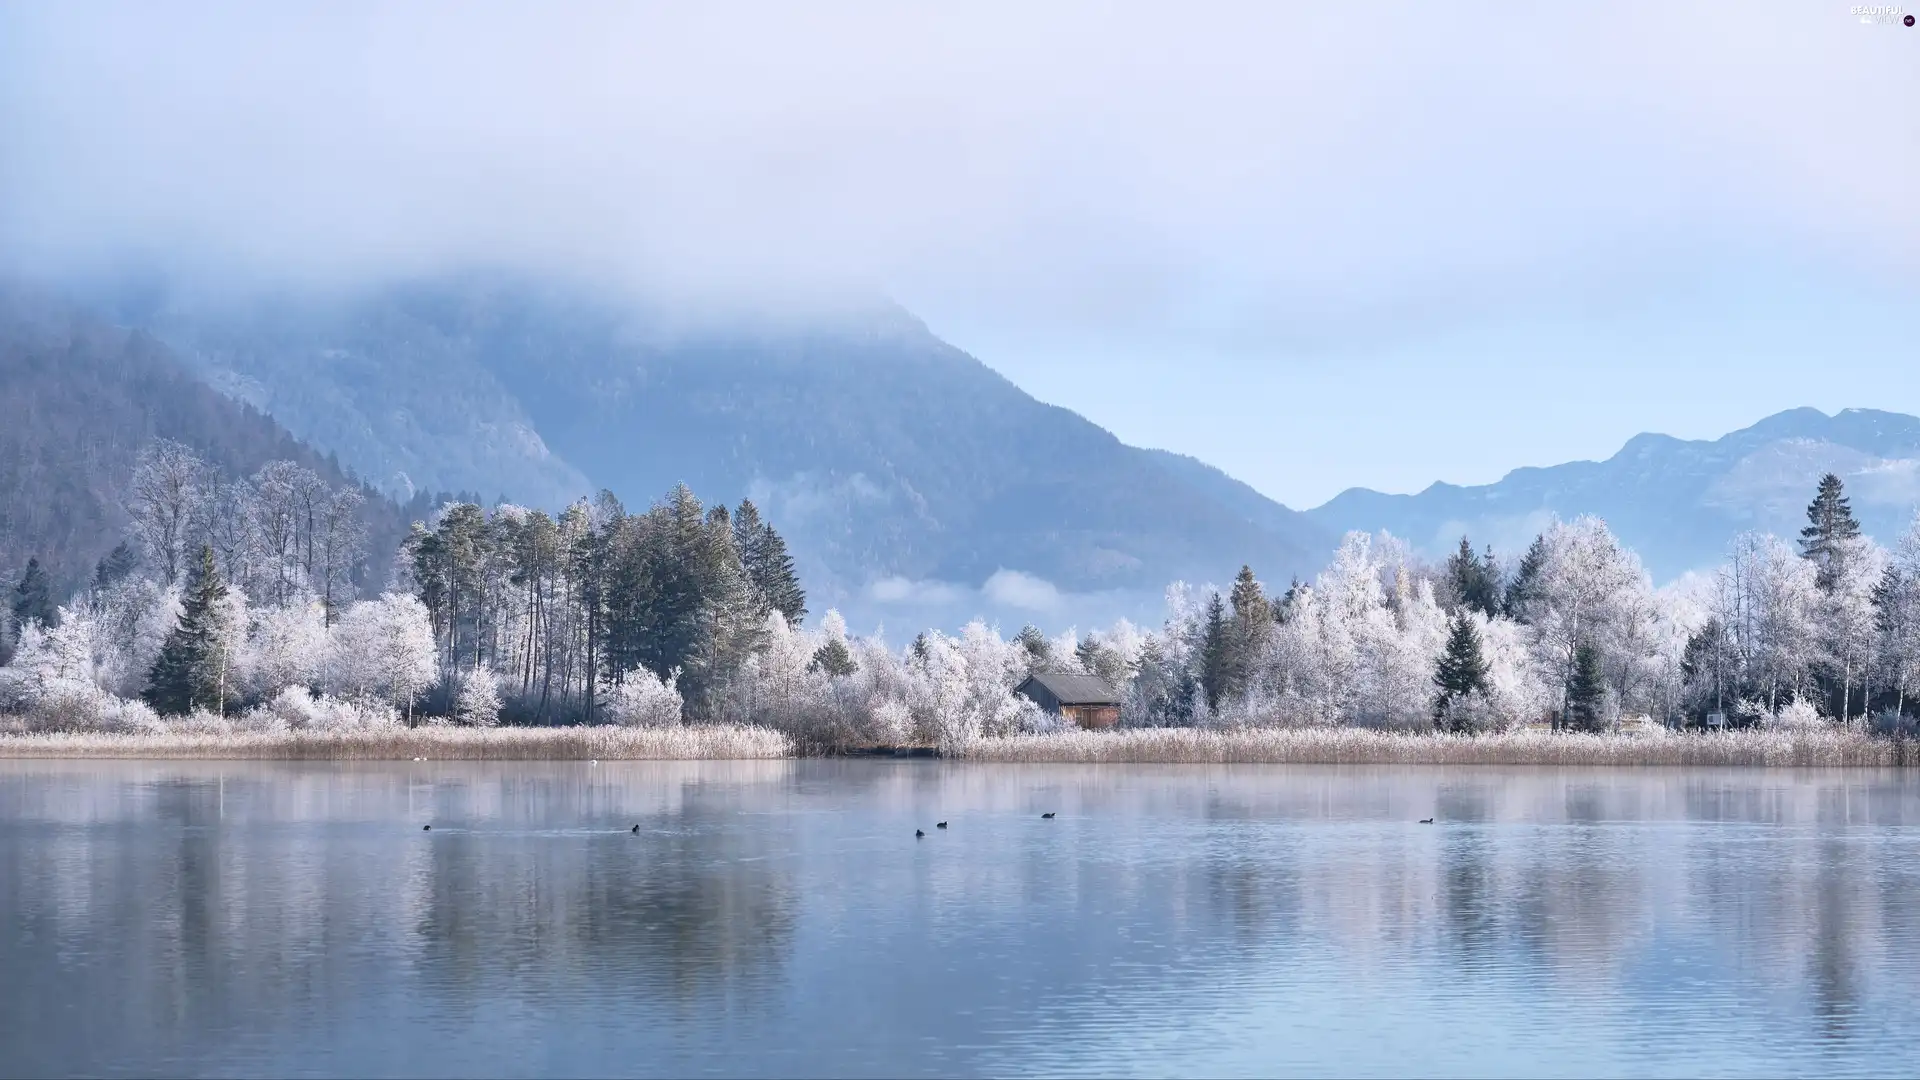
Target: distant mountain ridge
<point>914,483</point>
<point>1677,502</point>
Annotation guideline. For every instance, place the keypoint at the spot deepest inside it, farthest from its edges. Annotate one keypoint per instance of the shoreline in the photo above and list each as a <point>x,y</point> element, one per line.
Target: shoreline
<point>1819,748</point>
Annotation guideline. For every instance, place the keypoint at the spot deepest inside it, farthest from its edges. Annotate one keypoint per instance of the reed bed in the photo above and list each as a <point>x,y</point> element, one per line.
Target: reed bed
<point>1358,746</point>
<point>605,743</point>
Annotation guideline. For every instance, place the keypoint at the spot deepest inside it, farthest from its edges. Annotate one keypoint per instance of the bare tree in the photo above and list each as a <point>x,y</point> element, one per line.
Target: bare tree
<point>162,500</point>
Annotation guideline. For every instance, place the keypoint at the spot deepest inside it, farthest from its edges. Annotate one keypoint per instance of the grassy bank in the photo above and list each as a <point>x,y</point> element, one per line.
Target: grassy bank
<point>1336,746</point>
<point>405,744</point>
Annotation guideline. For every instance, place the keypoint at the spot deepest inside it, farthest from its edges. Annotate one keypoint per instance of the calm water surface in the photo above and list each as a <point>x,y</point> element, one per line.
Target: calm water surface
<point>779,918</point>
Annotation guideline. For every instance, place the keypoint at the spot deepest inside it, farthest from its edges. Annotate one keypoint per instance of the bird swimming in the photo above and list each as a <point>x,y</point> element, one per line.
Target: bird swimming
<point>1048,814</point>
<point>919,832</point>
<point>939,824</point>
<point>1426,821</point>
<point>426,828</point>
<point>636,830</point>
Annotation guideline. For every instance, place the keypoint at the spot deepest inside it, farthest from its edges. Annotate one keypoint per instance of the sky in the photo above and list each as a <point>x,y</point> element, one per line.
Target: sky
<point>1317,245</point>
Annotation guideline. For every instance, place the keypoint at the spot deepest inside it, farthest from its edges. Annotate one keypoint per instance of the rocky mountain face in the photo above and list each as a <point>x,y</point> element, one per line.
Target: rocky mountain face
<point>1677,502</point>
<point>915,484</point>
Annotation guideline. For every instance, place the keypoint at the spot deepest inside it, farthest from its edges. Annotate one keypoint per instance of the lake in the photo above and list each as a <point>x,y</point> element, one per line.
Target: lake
<point>781,918</point>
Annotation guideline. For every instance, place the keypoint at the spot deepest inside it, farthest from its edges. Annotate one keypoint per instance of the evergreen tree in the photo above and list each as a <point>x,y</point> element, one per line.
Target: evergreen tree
<point>1038,649</point>
<point>33,597</point>
<point>115,566</point>
<point>834,659</point>
<point>1526,579</point>
<point>1283,610</point>
<point>769,567</point>
<point>1252,625</point>
<point>1473,582</point>
<point>1216,652</point>
<point>193,668</point>
<point>1462,669</point>
<point>1830,530</point>
<point>1586,693</point>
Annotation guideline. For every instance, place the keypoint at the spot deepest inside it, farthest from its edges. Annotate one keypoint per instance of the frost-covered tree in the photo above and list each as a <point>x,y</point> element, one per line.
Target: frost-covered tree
<point>1588,590</point>
<point>162,500</point>
<point>285,646</point>
<point>643,699</point>
<point>383,651</point>
<point>1897,608</point>
<point>476,698</point>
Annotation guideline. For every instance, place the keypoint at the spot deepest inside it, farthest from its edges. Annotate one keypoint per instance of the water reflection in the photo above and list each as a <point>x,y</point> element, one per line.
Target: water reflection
<point>780,918</point>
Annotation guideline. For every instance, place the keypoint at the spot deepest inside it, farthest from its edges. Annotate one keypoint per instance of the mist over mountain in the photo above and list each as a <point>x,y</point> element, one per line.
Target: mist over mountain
<point>915,484</point>
<point>79,398</point>
<point>1677,502</point>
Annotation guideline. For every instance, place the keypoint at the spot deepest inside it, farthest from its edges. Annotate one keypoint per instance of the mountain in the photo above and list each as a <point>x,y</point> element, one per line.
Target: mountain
<point>79,397</point>
<point>913,482</point>
<point>1677,502</point>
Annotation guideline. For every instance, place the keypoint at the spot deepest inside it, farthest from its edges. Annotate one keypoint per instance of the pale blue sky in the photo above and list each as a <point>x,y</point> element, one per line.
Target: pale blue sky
<point>1317,246</point>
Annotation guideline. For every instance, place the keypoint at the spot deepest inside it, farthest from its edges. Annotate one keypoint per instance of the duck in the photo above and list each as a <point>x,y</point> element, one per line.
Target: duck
<point>1048,815</point>
<point>939,824</point>
<point>426,828</point>
<point>636,830</point>
<point>1426,821</point>
<point>919,833</point>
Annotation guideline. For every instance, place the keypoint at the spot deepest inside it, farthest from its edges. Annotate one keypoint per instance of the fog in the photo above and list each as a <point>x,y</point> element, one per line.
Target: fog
<point>1045,182</point>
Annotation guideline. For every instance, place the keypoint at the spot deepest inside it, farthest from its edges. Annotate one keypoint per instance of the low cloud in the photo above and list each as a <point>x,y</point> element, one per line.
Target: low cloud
<point>1011,588</point>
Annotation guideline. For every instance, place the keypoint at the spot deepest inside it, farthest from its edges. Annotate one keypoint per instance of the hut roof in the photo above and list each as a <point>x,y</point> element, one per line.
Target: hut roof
<point>1074,689</point>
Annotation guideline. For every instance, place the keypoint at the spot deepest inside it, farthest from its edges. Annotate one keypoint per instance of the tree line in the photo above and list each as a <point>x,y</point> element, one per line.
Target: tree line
<point>239,599</point>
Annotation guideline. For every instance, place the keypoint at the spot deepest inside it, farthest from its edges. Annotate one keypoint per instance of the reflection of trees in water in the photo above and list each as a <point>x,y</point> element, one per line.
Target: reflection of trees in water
<point>687,909</point>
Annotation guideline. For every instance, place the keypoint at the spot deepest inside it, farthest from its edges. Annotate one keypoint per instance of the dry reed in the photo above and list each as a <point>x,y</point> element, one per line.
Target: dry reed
<point>1358,746</point>
<point>605,743</point>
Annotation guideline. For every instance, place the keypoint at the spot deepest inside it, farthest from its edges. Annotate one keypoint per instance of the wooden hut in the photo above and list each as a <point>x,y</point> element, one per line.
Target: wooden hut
<point>1086,700</point>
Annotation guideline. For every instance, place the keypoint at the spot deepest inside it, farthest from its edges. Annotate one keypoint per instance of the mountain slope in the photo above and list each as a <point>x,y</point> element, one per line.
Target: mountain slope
<point>899,466</point>
<point>78,399</point>
<point>1678,502</point>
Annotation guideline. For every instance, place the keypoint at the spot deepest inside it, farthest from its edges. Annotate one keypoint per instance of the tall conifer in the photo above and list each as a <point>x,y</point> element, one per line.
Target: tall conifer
<point>194,670</point>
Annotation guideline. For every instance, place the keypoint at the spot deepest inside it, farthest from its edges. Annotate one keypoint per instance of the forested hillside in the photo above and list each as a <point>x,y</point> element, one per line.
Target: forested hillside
<point>79,399</point>
<point>901,468</point>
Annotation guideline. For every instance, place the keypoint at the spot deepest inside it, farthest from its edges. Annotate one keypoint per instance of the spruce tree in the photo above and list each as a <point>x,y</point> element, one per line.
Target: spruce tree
<point>1586,692</point>
<point>192,670</point>
<point>1830,530</point>
<point>1462,669</point>
<point>834,659</point>
<point>1038,649</point>
<point>1475,587</point>
<point>1216,652</point>
<point>1526,578</point>
<point>115,566</point>
<point>33,597</point>
<point>763,552</point>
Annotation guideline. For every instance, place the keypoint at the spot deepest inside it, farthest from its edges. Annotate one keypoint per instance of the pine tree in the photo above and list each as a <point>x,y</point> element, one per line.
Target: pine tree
<point>1586,693</point>
<point>1038,649</point>
<point>1830,530</point>
<point>192,670</point>
<point>115,566</point>
<point>763,552</point>
<point>1474,585</point>
<point>1462,669</point>
<point>1216,652</point>
<point>33,597</point>
<point>834,659</point>
<point>1526,578</point>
